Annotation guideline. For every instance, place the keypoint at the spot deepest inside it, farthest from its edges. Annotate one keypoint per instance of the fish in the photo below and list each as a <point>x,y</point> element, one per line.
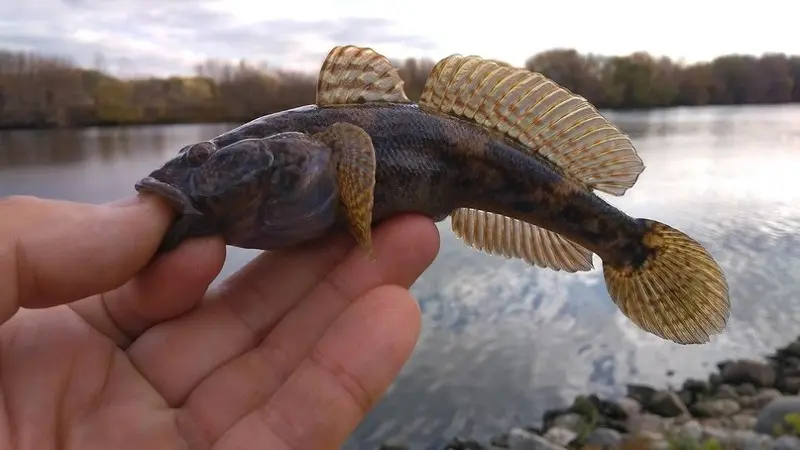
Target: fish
<point>515,161</point>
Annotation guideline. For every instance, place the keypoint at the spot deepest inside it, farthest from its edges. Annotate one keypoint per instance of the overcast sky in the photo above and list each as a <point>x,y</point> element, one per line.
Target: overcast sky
<point>171,36</point>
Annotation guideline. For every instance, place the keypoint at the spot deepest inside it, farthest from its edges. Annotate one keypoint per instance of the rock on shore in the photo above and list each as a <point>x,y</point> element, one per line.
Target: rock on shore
<point>746,405</point>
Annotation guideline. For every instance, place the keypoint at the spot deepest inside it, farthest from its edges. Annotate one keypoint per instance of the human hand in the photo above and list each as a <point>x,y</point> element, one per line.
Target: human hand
<point>289,353</point>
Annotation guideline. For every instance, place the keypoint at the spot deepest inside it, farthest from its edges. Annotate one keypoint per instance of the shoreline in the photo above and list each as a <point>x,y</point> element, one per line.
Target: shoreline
<point>236,122</point>
<point>747,404</point>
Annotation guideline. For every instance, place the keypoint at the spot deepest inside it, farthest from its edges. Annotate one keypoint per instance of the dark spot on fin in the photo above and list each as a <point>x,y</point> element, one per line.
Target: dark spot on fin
<point>534,111</point>
<point>355,161</point>
<point>351,75</point>
<point>500,235</point>
<point>679,293</point>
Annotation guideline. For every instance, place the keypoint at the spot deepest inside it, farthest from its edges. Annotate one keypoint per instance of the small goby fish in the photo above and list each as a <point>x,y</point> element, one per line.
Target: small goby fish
<point>509,155</point>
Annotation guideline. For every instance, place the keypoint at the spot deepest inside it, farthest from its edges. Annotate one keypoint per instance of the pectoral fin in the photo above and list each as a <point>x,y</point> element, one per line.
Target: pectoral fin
<point>354,156</point>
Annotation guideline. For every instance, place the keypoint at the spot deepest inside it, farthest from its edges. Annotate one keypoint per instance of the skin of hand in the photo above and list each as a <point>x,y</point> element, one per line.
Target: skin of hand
<point>100,347</point>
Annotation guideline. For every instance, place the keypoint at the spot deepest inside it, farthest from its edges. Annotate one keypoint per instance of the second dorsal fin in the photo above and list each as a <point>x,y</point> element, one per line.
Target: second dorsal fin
<point>353,74</point>
<point>539,114</point>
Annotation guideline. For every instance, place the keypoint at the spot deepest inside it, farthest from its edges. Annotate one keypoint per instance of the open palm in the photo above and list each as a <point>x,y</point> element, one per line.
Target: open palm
<point>289,353</point>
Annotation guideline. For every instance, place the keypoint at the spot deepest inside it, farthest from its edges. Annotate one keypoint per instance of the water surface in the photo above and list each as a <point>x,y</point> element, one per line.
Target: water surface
<point>502,341</point>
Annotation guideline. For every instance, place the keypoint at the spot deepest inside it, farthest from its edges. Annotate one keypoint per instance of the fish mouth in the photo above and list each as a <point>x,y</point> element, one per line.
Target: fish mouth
<point>190,222</point>
<point>175,196</point>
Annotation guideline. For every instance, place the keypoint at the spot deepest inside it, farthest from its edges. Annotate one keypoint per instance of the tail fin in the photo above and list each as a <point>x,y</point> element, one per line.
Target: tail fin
<point>679,293</point>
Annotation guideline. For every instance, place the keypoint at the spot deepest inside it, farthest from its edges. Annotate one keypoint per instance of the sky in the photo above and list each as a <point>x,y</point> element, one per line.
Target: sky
<point>165,37</point>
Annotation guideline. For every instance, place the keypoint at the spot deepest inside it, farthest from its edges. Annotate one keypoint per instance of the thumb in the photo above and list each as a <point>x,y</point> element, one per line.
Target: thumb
<point>54,252</point>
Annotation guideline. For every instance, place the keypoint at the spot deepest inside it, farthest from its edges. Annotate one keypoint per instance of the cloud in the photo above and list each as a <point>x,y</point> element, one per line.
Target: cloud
<point>131,37</point>
<point>171,36</point>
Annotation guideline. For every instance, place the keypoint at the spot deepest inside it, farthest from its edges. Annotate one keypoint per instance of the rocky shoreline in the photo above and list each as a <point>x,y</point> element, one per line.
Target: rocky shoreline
<point>745,405</point>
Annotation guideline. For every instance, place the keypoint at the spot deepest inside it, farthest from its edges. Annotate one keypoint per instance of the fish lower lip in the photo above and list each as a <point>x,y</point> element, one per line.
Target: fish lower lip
<point>176,197</point>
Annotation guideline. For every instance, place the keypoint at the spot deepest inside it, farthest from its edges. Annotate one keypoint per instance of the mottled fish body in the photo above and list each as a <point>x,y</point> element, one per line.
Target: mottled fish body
<point>509,155</point>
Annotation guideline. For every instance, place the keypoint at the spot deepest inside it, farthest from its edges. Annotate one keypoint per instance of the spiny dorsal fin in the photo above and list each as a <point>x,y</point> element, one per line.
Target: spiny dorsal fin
<point>539,114</point>
<point>353,74</point>
<point>501,235</point>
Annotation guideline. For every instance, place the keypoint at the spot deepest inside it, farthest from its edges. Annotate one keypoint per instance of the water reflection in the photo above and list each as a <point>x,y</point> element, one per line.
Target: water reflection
<point>502,341</point>
<point>21,148</point>
<point>95,165</point>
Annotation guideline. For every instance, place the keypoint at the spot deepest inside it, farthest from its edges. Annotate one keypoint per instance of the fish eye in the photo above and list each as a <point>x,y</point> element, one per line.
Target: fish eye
<point>198,153</point>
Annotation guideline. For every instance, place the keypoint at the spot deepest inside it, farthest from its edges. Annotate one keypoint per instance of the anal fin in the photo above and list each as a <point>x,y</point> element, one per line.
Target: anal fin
<point>354,156</point>
<point>496,234</point>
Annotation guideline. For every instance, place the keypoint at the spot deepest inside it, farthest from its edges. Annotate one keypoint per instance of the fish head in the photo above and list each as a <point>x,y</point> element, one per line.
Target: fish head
<point>257,192</point>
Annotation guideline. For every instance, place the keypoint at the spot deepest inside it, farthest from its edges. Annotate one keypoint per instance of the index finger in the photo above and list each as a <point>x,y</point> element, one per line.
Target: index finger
<point>54,252</point>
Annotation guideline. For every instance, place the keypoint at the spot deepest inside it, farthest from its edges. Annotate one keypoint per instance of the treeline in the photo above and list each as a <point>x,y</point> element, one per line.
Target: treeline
<point>44,91</point>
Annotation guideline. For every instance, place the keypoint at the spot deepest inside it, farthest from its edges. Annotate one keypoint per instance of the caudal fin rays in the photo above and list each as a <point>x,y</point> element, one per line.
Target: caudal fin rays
<point>680,293</point>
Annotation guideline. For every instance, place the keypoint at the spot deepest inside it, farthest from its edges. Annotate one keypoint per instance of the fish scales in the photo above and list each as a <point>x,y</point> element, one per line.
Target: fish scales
<point>433,164</point>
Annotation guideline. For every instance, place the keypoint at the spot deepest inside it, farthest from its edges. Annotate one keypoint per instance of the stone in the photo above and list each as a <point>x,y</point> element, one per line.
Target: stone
<point>791,362</point>
<point>749,440</point>
<point>560,436</point>
<point>629,405</point>
<point>747,402</point>
<point>793,349</point>
<point>571,421</point>
<point>687,397</point>
<point>466,444</point>
<point>764,397</point>
<point>772,415</point>
<point>641,393</point>
<point>610,409</point>
<point>680,420</point>
<point>791,371</point>
<point>666,404</point>
<point>500,440</point>
<point>716,408</point>
<point>691,429</point>
<point>619,425</point>
<point>393,446</point>
<point>604,439</point>
<point>786,443</point>
<point>748,371</point>
<point>552,414</point>
<point>746,389</point>
<point>644,422</point>
<point>696,386</point>
<point>519,439</point>
<point>712,422</point>
<point>743,421</point>
<point>789,385</point>
<point>720,434</point>
<point>726,391</point>
<point>647,440</point>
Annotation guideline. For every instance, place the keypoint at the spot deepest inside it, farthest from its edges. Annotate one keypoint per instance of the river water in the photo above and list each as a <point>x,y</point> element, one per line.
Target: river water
<point>502,341</point>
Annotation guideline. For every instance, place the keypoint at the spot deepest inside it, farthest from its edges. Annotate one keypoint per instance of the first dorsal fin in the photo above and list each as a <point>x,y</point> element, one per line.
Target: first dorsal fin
<point>353,74</point>
<point>497,234</point>
<point>539,114</point>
